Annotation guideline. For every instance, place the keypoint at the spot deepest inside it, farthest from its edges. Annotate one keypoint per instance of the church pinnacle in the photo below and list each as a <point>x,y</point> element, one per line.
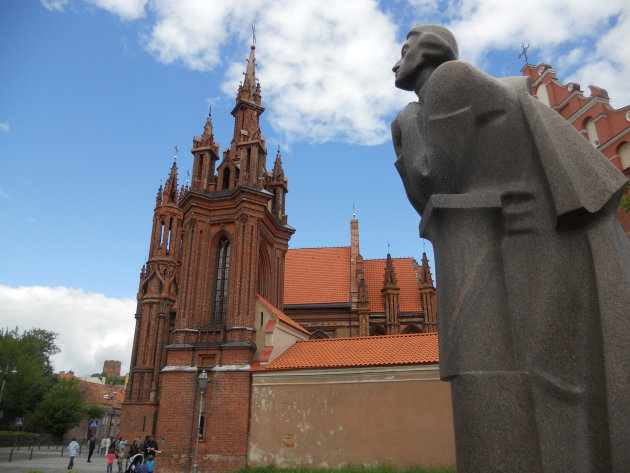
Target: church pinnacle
<point>249,91</point>
<point>389,278</point>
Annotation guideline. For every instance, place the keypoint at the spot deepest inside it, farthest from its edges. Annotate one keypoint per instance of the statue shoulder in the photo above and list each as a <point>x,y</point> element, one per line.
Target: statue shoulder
<point>409,112</point>
<point>462,77</point>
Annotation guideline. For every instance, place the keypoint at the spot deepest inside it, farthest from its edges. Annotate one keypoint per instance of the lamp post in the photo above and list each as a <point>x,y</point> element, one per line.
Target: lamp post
<point>202,381</point>
<point>5,373</point>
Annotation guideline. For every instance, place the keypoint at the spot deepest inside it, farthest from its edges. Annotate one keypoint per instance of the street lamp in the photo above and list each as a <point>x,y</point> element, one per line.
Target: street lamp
<point>202,381</point>
<point>5,373</point>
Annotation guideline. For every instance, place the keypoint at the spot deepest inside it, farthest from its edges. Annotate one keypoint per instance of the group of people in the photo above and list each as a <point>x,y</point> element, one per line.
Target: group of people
<point>139,455</point>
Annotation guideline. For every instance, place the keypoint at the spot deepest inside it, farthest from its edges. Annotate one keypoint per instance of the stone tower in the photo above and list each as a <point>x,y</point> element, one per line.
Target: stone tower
<point>214,247</point>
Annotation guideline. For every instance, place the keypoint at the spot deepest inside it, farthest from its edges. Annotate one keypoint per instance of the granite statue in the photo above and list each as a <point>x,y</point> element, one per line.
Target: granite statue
<point>533,268</point>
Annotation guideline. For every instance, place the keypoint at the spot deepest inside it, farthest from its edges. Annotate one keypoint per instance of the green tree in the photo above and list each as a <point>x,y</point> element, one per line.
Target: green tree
<point>118,380</point>
<point>94,411</point>
<point>61,408</point>
<point>625,201</point>
<point>29,354</point>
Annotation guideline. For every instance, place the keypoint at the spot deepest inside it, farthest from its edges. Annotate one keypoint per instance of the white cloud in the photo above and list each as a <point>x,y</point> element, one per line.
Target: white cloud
<point>5,127</point>
<point>325,64</point>
<point>125,9</point>
<point>3,194</point>
<point>321,61</point>
<point>55,4</point>
<point>92,328</point>
<point>589,42</point>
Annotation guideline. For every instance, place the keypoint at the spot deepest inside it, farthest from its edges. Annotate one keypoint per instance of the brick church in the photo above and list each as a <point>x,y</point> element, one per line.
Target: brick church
<point>221,292</point>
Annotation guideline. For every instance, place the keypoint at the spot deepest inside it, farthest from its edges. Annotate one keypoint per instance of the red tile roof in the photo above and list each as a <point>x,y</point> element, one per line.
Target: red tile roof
<point>281,316</point>
<point>409,296</point>
<point>386,350</point>
<point>104,394</point>
<point>317,276</point>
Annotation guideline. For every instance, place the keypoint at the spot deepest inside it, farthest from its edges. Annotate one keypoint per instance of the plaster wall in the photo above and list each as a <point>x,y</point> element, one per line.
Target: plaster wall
<point>281,338</point>
<point>396,415</point>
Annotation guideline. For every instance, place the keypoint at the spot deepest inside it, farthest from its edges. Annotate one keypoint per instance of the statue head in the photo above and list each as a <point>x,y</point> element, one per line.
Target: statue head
<point>427,47</point>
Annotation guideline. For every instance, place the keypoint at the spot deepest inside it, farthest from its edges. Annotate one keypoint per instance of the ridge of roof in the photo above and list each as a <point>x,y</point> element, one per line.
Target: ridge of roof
<point>319,248</point>
<point>369,337</point>
<point>281,315</point>
<point>394,258</point>
<point>386,350</point>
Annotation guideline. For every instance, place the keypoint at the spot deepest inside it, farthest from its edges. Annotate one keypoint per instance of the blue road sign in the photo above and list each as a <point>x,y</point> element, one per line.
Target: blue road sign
<point>19,422</point>
<point>93,423</point>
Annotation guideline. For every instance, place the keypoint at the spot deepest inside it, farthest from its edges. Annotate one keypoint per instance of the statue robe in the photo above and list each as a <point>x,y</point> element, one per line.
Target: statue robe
<point>533,272</point>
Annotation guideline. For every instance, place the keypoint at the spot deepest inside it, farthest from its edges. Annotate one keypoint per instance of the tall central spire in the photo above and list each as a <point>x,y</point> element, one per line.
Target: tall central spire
<point>246,115</point>
<point>249,91</point>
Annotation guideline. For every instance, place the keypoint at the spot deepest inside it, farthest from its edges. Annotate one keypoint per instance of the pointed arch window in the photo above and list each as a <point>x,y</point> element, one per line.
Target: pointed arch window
<point>222,281</point>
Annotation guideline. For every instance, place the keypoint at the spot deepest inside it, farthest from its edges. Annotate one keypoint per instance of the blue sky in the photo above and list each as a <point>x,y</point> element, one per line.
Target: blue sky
<point>94,94</point>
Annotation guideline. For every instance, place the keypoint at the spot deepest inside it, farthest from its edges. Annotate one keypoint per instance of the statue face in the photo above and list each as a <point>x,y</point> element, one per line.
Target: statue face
<point>407,69</point>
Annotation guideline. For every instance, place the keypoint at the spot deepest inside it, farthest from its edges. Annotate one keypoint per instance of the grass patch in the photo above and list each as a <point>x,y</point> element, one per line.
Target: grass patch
<point>346,469</point>
<point>15,432</point>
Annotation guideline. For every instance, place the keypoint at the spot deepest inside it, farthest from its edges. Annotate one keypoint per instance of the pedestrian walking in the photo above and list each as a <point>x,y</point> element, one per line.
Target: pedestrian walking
<point>91,446</point>
<point>73,448</point>
<point>110,461</point>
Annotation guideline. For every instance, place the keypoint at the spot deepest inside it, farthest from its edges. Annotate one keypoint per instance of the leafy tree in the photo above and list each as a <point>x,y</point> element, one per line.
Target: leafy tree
<point>118,380</point>
<point>61,408</point>
<point>94,411</point>
<point>29,354</point>
<point>625,201</point>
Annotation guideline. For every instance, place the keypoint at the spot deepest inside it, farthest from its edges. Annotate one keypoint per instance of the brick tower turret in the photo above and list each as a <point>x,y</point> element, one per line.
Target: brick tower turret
<point>233,235</point>
<point>156,297</point>
<point>390,293</point>
<point>428,296</point>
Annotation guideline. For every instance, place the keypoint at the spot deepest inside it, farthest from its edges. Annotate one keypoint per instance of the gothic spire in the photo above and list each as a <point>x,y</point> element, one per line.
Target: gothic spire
<point>170,187</point>
<point>278,172</point>
<point>389,279</point>
<point>208,133</point>
<point>249,91</point>
<point>426,277</point>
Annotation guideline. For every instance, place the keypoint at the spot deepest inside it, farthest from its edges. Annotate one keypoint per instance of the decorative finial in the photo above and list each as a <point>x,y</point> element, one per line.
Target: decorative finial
<point>187,178</point>
<point>524,52</point>
<point>176,151</point>
<point>209,110</point>
<point>278,148</point>
<point>388,245</point>
<point>253,36</point>
<point>354,215</point>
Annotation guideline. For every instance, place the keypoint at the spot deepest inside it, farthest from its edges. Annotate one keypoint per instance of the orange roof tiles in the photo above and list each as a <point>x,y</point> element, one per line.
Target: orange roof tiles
<point>359,351</point>
<point>409,296</point>
<point>317,276</point>
<point>104,394</point>
<point>281,316</point>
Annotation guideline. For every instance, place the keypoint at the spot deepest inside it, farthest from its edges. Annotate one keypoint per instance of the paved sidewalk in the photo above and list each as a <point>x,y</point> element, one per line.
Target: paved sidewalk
<point>50,461</point>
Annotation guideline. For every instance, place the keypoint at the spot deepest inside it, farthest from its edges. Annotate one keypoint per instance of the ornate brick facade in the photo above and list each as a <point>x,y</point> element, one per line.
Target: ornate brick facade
<point>214,246</point>
<point>608,129</point>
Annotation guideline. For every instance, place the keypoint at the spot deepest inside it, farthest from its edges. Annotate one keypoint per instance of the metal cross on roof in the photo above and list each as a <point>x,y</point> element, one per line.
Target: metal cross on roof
<point>524,52</point>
